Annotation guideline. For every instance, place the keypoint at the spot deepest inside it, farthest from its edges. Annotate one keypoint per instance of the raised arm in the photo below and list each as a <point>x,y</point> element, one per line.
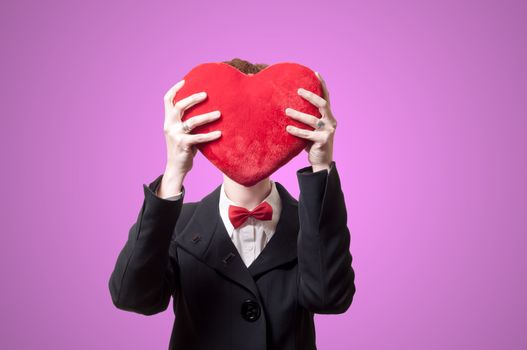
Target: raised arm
<point>145,276</point>
<point>326,277</point>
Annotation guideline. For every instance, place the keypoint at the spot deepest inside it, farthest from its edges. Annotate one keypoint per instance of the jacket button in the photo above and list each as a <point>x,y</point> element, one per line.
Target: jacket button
<point>250,310</point>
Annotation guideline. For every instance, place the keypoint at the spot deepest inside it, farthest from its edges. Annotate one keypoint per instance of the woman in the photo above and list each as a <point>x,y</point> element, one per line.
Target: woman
<point>247,266</point>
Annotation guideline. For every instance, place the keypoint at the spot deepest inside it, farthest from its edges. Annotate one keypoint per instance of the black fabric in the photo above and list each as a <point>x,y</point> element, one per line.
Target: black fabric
<point>182,250</point>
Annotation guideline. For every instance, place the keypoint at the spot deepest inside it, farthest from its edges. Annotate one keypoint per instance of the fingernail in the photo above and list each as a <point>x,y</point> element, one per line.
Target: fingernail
<point>202,94</point>
<point>299,91</point>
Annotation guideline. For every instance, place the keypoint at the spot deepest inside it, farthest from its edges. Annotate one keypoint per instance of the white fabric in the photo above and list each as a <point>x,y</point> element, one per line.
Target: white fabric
<point>251,237</point>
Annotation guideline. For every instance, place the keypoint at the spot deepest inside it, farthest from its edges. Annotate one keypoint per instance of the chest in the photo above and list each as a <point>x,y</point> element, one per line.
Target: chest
<point>206,290</point>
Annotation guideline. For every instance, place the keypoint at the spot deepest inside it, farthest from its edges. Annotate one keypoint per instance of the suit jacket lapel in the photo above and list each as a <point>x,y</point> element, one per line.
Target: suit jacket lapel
<point>206,238</point>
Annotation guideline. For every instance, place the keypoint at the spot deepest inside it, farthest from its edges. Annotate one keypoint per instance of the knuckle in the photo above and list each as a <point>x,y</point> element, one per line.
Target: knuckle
<point>175,113</point>
<point>170,129</point>
<point>171,112</point>
<point>168,126</point>
<point>179,105</point>
<point>178,139</point>
<point>170,132</point>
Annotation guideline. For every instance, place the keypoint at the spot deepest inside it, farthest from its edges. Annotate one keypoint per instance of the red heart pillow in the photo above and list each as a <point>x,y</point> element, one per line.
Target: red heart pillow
<point>254,142</point>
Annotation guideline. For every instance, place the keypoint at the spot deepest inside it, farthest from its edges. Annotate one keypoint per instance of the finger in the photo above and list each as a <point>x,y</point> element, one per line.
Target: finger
<point>190,101</point>
<point>305,134</point>
<point>201,119</point>
<point>200,138</point>
<point>171,94</point>
<point>318,101</point>
<point>305,118</point>
<point>324,86</point>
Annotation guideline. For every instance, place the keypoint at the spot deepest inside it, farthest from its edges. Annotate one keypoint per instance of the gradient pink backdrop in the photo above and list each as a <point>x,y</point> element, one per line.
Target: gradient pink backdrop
<point>431,150</point>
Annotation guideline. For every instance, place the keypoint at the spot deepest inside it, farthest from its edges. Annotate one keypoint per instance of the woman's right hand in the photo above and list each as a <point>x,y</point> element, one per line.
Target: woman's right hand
<point>181,146</point>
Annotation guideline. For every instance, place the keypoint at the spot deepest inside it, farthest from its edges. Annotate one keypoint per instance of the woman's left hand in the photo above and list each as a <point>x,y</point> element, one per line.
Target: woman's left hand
<point>320,151</point>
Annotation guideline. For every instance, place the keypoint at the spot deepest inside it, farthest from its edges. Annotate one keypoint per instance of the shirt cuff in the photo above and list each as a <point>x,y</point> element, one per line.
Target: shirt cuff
<point>154,187</point>
<point>172,198</point>
<point>309,169</point>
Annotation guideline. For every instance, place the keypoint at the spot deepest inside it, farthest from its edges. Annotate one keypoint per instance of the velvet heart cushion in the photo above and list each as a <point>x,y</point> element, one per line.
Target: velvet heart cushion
<point>254,141</point>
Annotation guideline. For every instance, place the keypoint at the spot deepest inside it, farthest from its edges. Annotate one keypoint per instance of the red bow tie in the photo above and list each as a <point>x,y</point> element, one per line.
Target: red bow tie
<point>238,215</point>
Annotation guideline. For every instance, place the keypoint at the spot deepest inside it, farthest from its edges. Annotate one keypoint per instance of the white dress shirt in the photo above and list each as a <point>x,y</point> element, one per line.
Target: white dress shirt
<point>251,237</point>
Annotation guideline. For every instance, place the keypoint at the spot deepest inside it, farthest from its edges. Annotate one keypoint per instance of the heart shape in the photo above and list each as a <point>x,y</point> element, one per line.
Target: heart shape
<point>254,142</point>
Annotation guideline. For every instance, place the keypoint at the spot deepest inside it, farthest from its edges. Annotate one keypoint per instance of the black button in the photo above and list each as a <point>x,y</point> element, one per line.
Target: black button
<point>250,310</point>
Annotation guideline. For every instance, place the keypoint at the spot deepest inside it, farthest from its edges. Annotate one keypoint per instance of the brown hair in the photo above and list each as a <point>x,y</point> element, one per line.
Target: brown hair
<point>246,66</point>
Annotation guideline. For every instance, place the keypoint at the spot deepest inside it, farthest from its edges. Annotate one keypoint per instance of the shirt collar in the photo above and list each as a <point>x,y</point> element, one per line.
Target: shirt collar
<point>269,226</point>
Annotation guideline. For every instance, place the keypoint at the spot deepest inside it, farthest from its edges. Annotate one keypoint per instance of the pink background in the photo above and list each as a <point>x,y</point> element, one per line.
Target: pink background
<point>431,149</point>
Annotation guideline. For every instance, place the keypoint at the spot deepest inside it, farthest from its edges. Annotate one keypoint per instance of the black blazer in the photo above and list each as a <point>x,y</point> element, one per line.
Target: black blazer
<point>182,250</point>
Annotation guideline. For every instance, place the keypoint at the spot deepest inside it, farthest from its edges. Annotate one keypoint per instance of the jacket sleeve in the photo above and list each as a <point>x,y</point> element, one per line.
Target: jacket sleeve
<point>326,278</point>
<point>143,277</point>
